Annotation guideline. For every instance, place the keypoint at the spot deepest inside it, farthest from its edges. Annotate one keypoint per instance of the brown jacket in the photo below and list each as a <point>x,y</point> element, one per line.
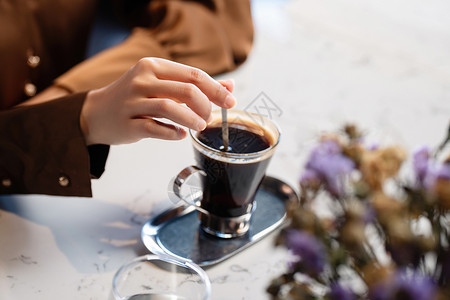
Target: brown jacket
<point>43,42</point>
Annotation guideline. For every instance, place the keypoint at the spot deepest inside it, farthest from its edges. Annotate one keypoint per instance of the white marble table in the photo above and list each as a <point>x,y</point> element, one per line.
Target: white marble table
<point>384,65</point>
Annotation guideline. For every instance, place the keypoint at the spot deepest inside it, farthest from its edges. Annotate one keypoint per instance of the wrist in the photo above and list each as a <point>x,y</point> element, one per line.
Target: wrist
<point>86,118</point>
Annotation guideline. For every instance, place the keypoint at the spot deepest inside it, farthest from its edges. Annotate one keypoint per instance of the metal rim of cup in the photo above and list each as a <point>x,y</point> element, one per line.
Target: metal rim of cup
<point>167,259</point>
<point>238,157</point>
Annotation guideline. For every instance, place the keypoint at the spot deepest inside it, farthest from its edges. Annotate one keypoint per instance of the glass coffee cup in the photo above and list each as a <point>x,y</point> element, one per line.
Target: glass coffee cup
<point>159,277</point>
<point>229,179</point>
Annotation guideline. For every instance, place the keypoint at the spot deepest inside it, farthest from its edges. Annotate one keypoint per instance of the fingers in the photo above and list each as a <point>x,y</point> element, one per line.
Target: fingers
<point>166,108</point>
<point>127,110</point>
<point>150,128</point>
<point>228,84</point>
<point>182,92</point>
<point>168,70</point>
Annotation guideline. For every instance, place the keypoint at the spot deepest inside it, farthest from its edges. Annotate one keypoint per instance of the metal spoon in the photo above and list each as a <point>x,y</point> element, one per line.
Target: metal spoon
<point>224,129</point>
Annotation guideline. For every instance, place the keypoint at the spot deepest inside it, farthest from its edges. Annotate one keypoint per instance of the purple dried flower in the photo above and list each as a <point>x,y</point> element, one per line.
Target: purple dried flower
<point>373,146</point>
<point>328,164</point>
<point>427,170</point>
<point>434,173</point>
<point>308,248</point>
<point>443,172</point>
<point>338,292</point>
<point>309,176</point>
<point>405,286</point>
<point>421,157</point>
<point>370,215</point>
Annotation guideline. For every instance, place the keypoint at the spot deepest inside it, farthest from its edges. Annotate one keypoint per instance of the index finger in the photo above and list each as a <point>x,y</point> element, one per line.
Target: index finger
<point>216,93</point>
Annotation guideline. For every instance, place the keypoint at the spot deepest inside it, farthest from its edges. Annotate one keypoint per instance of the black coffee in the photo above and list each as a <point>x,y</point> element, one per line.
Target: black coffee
<point>239,138</point>
<point>227,188</point>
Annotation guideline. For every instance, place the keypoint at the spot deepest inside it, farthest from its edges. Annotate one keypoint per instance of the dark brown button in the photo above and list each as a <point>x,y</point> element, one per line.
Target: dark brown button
<point>63,181</point>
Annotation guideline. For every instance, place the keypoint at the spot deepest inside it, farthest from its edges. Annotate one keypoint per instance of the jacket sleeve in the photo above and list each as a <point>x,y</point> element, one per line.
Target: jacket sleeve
<point>215,36</point>
<point>42,150</point>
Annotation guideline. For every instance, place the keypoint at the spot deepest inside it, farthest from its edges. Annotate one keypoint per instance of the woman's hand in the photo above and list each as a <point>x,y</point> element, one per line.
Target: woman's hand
<point>126,110</point>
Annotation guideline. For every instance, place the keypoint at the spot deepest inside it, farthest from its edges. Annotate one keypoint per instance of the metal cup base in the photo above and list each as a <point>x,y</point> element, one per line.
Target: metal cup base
<point>224,227</point>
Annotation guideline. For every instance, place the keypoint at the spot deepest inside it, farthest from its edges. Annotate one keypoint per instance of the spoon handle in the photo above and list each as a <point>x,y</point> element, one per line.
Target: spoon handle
<point>225,129</point>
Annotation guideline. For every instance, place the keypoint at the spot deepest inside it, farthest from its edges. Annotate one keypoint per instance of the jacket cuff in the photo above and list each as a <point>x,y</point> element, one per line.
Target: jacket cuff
<point>43,151</point>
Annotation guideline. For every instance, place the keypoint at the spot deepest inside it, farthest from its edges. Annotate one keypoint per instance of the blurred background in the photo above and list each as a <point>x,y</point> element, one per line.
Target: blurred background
<point>384,65</point>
